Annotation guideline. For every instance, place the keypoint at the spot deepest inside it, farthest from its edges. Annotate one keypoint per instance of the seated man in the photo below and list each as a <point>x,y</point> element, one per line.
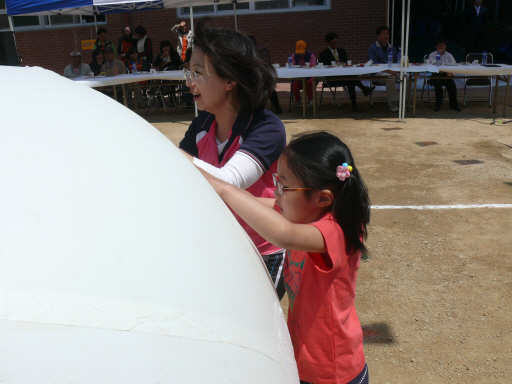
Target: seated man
<point>76,68</point>
<point>141,65</point>
<point>451,88</point>
<point>300,57</point>
<point>335,53</point>
<point>379,53</point>
<point>112,66</point>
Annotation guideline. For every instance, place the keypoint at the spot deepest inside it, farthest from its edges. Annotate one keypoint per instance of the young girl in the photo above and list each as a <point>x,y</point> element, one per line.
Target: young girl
<point>322,209</point>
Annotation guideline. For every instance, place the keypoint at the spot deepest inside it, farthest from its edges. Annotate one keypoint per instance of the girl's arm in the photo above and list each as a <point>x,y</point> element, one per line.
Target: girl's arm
<point>267,201</point>
<point>266,221</point>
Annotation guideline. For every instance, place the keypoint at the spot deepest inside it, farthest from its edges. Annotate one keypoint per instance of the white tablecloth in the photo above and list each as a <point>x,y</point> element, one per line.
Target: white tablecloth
<point>97,81</point>
<point>476,70</point>
<point>295,73</point>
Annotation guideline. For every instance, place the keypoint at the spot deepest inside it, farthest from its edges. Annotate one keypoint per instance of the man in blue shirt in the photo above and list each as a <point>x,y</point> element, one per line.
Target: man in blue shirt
<point>379,53</point>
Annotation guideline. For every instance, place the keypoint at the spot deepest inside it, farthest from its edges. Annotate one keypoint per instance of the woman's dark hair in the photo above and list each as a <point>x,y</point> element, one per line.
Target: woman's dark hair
<point>131,51</point>
<point>382,28</point>
<point>140,30</point>
<point>100,31</point>
<point>166,43</point>
<point>314,158</point>
<point>234,57</point>
<point>131,32</point>
<point>330,37</point>
<point>96,53</point>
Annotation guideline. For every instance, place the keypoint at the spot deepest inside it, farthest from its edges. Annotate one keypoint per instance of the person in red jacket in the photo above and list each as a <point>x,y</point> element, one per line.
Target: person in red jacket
<point>126,42</point>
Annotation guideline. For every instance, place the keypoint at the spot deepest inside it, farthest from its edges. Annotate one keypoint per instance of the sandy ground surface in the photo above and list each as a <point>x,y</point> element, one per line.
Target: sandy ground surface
<point>435,296</point>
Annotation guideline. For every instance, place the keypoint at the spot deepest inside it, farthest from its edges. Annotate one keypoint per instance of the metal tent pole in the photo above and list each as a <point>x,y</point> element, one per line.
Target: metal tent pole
<point>402,88</point>
<point>234,9</point>
<point>191,18</point>
<point>11,28</point>
<point>392,21</point>
<point>387,13</point>
<point>192,29</point>
<point>95,11</point>
<point>11,24</point>
<point>406,58</point>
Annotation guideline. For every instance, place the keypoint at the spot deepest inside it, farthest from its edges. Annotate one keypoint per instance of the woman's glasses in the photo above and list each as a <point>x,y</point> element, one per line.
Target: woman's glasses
<point>194,75</point>
<point>279,186</point>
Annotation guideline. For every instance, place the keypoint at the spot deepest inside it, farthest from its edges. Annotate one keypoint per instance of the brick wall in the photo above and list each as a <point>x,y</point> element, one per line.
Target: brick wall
<point>354,22</point>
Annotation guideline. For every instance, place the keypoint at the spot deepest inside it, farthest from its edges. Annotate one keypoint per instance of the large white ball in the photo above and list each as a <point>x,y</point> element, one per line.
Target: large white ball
<point>118,262</point>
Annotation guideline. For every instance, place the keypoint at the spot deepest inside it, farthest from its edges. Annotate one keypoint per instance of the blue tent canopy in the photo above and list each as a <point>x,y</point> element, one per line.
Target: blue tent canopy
<point>95,7</point>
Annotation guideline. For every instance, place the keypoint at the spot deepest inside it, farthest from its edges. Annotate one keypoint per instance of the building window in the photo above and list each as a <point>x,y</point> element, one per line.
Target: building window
<point>4,22</point>
<point>271,5</point>
<point>25,21</point>
<point>256,7</point>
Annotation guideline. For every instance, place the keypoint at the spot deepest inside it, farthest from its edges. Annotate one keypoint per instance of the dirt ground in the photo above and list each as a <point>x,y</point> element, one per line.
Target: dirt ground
<point>435,296</point>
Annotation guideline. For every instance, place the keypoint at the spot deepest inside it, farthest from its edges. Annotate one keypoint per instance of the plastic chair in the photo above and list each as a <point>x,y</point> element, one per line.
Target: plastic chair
<point>469,82</point>
<point>304,94</point>
<point>428,86</point>
<point>326,84</point>
<point>160,87</point>
<point>373,84</point>
<point>292,99</point>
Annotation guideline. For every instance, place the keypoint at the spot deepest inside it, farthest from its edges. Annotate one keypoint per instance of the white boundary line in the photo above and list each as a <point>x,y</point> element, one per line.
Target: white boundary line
<point>434,207</point>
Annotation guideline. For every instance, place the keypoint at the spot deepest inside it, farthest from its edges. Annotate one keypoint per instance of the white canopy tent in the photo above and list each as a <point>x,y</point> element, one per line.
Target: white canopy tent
<point>101,7</point>
<point>406,16</point>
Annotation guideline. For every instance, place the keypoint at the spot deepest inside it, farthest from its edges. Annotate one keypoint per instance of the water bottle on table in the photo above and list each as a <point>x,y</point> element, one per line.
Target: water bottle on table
<point>289,64</point>
<point>399,55</point>
<point>484,58</point>
<point>134,69</point>
<point>438,59</point>
<point>390,59</point>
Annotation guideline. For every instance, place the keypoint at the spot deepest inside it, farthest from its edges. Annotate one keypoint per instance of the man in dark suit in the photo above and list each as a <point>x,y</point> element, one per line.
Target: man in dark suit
<point>476,34</point>
<point>335,53</point>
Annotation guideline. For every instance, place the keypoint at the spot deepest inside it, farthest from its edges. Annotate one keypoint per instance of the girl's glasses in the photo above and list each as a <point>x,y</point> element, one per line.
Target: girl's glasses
<point>193,75</point>
<point>280,189</point>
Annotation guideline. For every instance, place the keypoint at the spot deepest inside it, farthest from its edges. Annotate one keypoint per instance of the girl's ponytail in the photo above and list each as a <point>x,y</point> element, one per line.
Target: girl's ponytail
<point>314,158</point>
<point>351,209</point>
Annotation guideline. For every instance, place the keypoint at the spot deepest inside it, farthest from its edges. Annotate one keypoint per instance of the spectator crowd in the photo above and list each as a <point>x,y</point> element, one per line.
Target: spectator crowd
<point>134,50</point>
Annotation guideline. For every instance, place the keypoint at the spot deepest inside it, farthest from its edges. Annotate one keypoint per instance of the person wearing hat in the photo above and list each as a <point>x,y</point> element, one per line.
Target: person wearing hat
<point>76,68</point>
<point>300,57</point>
<point>112,66</point>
